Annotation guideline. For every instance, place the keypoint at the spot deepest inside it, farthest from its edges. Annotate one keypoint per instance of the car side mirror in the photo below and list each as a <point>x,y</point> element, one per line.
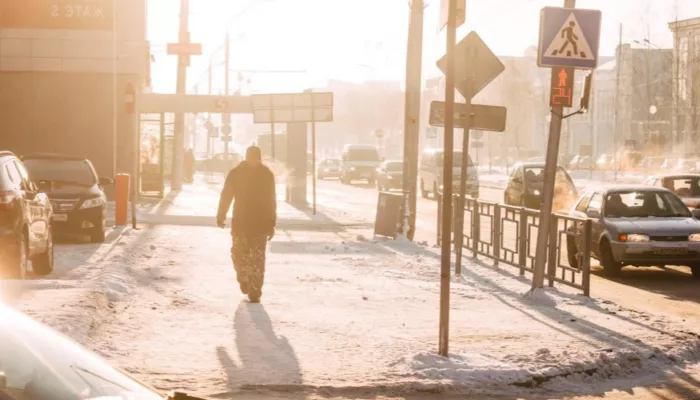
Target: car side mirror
<point>106,181</point>
<point>595,214</point>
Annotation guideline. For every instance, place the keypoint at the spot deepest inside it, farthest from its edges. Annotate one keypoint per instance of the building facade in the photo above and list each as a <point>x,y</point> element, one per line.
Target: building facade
<point>64,67</point>
<point>686,85</point>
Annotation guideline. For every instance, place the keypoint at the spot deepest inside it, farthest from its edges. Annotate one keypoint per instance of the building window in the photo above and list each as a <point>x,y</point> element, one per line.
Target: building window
<point>683,67</point>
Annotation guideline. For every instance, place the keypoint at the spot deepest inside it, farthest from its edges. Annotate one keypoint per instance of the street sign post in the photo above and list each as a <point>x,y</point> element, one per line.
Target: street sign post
<point>460,17</point>
<point>468,67</point>
<point>569,37</point>
<point>484,118</point>
<point>476,66</point>
<point>185,50</point>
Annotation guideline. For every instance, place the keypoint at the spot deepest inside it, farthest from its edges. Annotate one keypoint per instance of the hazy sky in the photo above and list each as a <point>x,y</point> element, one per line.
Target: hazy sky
<point>366,39</point>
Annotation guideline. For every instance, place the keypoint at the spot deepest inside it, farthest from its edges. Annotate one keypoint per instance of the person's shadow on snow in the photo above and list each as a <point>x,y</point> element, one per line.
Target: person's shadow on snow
<point>267,360</point>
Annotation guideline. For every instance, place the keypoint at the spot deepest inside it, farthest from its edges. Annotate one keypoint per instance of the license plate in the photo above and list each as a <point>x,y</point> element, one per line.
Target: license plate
<point>670,250</point>
<point>60,217</point>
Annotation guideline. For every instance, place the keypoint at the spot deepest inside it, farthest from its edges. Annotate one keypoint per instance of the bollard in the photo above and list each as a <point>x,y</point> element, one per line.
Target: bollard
<point>121,185</point>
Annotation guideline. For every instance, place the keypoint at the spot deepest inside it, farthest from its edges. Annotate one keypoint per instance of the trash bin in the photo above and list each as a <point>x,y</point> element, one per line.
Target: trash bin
<point>388,219</point>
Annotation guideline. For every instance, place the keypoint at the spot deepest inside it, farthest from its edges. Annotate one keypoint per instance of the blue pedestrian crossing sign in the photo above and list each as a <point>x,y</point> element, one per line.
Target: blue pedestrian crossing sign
<point>569,37</point>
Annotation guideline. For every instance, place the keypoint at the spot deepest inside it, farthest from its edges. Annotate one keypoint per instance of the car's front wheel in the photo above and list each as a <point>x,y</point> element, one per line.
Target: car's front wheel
<point>98,233</point>
<point>695,269</point>
<point>42,264</point>
<point>17,260</point>
<point>611,267</point>
<point>571,252</point>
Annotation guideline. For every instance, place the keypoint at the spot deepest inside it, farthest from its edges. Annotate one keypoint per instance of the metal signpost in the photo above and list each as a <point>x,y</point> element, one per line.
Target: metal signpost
<point>449,70</point>
<point>471,52</point>
<point>294,107</point>
<point>131,104</point>
<point>569,37</point>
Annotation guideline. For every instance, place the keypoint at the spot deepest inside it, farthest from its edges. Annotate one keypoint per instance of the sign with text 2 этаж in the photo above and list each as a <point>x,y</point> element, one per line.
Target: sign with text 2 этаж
<point>57,14</point>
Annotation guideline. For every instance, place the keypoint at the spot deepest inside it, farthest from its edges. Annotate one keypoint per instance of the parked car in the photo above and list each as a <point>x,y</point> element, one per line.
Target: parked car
<point>686,165</point>
<point>39,363</point>
<point>638,226</point>
<point>652,163</point>
<point>685,186</point>
<point>431,169</point>
<point>328,168</point>
<point>76,193</point>
<point>526,182</point>
<point>605,162</point>
<point>25,221</point>
<point>390,175</point>
<point>359,162</point>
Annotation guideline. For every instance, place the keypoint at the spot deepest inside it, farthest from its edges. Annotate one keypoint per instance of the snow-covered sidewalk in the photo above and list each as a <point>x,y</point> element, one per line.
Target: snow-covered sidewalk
<point>340,310</point>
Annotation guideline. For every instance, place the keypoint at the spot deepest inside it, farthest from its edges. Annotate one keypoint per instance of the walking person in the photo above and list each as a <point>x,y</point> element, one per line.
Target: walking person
<point>189,166</point>
<point>251,187</point>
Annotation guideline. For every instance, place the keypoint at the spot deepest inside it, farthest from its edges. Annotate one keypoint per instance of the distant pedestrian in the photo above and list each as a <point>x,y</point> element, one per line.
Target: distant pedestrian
<point>189,166</point>
<point>251,187</point>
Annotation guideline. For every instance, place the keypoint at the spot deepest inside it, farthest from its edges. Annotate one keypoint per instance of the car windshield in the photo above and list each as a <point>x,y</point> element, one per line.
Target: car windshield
<point>363,155</point>
<point>39,364</point>
<point>644,204</point>
<point>535,175</point>
<point>456,160</point>
<point>683,187</point>
<point>66,171</point>
<point>394,166</point>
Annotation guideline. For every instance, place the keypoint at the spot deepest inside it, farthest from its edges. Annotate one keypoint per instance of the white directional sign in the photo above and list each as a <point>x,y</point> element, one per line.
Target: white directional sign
<point>461,12</point>
<point>292,107</point>
<point>190,49</point>
<point>193,103</point>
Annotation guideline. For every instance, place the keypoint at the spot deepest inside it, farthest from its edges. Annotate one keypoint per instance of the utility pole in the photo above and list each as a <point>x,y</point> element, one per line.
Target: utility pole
<point>616,117</point>
<point>209,114</point>
<point>414,63</point>
<point>226,118</point>
<point>446,251</point>
<point>179,128</point>
<point>548,188</point>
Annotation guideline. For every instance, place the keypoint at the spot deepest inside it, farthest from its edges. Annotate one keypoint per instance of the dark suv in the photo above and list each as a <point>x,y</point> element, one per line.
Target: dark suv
<point>25,222</point>
<point>76,194</point>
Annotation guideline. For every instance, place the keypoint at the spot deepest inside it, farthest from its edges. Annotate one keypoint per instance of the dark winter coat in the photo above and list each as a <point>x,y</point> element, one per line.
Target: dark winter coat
<point>252,190</point>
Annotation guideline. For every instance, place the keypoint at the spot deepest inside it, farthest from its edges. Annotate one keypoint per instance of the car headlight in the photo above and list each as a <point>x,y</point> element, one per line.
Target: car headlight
<point>634,238</point>
<point>91,203</point>
<point>694,237</point>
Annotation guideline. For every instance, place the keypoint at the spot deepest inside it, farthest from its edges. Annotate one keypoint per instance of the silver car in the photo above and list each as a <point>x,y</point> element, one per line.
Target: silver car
<point>685,186</point>
<point>638,226</point>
